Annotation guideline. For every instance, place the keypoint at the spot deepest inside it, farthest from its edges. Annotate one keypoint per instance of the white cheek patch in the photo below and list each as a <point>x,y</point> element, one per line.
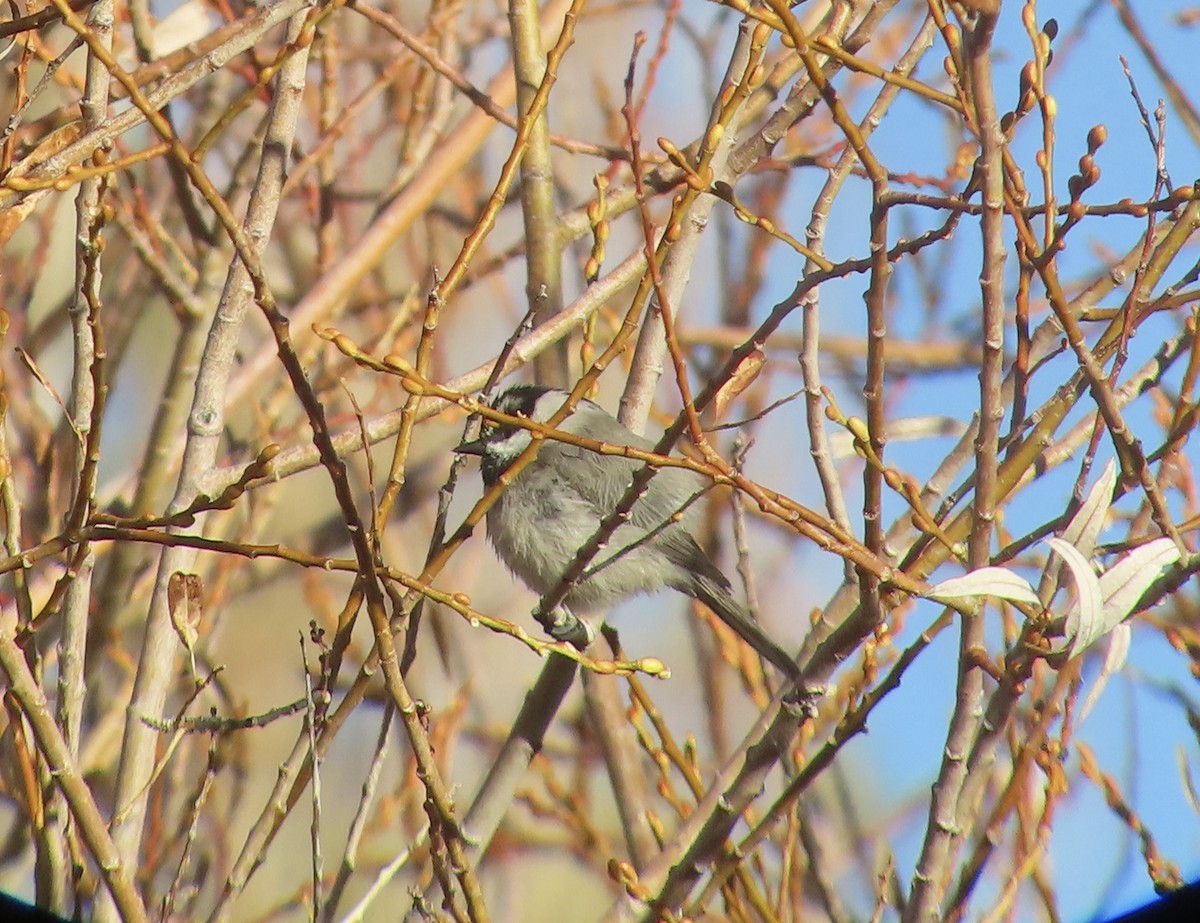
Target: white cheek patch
<point>548,404</point>
<point>512,444</point>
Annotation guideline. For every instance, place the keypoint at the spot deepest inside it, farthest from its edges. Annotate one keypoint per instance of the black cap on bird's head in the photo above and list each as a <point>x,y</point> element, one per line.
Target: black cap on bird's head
<point>498,444</point>
<point>522,400</point>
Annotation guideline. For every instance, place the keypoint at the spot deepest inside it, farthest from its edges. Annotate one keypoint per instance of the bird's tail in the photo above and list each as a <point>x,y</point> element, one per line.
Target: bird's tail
<point>718,597</point>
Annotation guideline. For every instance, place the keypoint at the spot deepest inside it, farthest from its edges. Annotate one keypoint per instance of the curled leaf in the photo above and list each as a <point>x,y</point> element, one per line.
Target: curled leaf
<point>1085,619</point>
<point>743,376</point>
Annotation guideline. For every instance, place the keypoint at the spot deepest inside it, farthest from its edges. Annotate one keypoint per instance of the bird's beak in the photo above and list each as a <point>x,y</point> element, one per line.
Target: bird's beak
<point>470,447</point>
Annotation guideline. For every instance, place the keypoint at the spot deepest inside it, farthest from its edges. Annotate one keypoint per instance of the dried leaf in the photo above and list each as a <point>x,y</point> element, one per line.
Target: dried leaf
<point>742,378</point>
<point>184,600</point>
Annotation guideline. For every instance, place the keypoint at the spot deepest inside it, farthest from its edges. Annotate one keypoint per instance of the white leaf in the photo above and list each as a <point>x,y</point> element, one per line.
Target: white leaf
<point>986,581</point>
<point>1086,615</point>
<point>1085,525</point>
<point>1123,584</point>
<point>1114,659</point>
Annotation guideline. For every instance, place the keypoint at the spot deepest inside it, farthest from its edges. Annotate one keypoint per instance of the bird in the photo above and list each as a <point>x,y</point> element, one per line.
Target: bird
<point>556,503</point>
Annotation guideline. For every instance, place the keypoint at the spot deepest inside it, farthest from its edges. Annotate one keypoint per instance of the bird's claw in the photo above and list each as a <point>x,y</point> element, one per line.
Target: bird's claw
<point>561,625</point>
<point>801,701</point>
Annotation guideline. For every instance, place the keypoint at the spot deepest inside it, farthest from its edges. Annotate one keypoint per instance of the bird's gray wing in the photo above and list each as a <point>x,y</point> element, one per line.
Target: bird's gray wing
<point>603,479</point>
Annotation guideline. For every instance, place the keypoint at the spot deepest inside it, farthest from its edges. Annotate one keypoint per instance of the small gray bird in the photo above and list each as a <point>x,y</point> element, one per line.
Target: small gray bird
<point>557,503</point>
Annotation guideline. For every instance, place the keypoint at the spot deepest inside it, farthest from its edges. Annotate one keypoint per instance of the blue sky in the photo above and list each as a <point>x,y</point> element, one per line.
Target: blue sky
<point>1137,731</point>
